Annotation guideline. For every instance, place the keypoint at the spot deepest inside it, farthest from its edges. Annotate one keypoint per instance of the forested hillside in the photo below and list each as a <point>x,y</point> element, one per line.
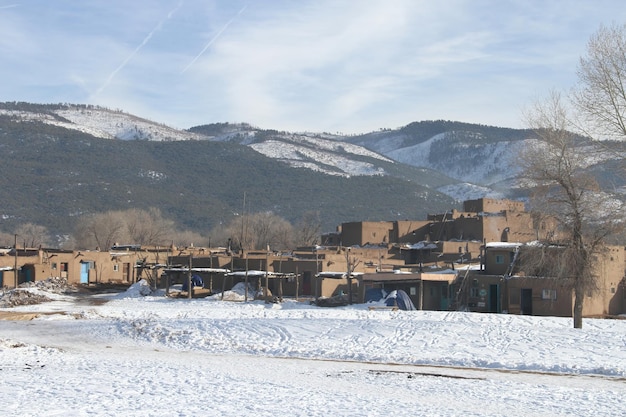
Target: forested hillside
<point>52,176</point>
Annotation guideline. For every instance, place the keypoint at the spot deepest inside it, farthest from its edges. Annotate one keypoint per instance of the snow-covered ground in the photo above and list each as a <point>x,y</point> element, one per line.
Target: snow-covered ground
<point>128,354</point>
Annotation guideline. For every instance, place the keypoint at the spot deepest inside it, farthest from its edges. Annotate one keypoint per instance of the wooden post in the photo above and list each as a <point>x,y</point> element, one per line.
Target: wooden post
<point>231,270</point>
<point>15,261</point>
<point>420,300</point>
<point>246,281</point>
<point>266,288</point>
<point>211,272</point>
<point>223,285</point>
<point>189,284</point>
<point>297,283</point>
<point>349,276</point>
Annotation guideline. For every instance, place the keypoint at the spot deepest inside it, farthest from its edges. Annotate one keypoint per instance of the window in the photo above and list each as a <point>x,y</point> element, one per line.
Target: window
<point>116,267</point>
<point>53,266</point>
<point>548,294</point>
<point>474,292</point>
<point>499,259</point>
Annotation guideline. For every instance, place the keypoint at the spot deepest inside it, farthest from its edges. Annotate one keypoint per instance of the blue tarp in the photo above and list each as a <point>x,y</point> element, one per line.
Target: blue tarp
<point>374,294</point>
<point>196,281</point>
<point>401,299</point>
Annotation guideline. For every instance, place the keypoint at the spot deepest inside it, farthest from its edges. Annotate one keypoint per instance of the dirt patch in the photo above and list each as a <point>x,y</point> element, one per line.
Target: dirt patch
<point>24,316</point>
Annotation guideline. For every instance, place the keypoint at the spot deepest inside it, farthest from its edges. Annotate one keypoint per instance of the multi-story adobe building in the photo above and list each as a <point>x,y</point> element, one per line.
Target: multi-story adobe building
<point>501,285</point>
<point>482,220</point>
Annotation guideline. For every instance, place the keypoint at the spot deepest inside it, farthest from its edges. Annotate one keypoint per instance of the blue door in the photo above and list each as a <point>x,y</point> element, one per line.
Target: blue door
<point>84,273</point>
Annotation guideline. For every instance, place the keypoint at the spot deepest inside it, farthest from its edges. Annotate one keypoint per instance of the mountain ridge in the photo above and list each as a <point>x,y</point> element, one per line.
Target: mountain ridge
<point>71,160</point>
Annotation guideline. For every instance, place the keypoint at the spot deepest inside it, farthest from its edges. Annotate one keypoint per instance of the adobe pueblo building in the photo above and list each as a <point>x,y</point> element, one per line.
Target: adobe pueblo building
<point>458,260</point>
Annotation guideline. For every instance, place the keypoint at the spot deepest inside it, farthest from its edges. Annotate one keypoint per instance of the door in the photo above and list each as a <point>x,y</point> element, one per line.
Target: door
<point>84,273</point>
<point>306,283</point>
<point>126,271</point>
<point>28,274</point>
<point>445,299</point>
<point>526,302</point>
<point>494,298</point>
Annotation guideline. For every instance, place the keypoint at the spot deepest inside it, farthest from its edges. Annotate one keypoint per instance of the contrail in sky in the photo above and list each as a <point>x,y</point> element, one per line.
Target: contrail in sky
<point>8,6</point>
<point>214,39</point>
<point>141,45</point>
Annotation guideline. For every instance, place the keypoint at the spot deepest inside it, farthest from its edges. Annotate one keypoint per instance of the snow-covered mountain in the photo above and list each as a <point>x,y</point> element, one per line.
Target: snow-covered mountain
<point>461,160</point>
<point>101,123</point>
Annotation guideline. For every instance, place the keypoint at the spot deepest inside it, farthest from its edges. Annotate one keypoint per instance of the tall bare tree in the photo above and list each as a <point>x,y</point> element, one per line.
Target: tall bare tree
<point>555,165</point>
<point>600,95</point>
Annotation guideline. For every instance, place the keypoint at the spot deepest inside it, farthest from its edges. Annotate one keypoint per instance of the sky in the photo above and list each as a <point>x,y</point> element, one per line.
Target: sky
<point>347,66</point>
<point>131,355</point>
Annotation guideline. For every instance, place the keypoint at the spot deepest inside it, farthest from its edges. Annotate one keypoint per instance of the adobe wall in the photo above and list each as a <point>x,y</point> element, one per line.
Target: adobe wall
<point>490,205</point>
<point>364,233</point>
<point>103,266</point>
<point>610,297</point>
<point>410,231</point>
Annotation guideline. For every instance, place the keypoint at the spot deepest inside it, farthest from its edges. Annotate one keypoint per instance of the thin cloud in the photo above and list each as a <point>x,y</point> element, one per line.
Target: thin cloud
<point>214,39</point>
<point>137,49</point>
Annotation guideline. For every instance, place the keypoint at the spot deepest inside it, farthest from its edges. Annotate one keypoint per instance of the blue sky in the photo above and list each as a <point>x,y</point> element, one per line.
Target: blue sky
<point>349,66</point>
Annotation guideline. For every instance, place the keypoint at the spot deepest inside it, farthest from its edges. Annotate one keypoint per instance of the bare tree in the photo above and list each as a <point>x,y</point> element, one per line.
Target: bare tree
<point>189,238</point>
<point>268,229</point>
<point>307,231</point>
<point>257,231</point>
<point>143,227</point>
<point>147,227</point>
<point>601,92</point>
<point>555,165</point>
<point>33,235</point>
<point>7,239</point>
<point>101,230</point>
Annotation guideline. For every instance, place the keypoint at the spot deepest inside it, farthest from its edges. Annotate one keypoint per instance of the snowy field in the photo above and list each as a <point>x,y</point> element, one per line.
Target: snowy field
<point>133,355</point>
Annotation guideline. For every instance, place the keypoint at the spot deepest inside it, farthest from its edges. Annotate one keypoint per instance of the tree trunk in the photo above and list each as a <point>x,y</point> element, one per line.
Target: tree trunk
<point>579,297</point>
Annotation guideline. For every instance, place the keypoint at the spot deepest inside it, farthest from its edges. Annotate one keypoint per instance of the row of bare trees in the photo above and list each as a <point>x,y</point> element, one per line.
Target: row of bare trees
<point>573,129</point>
<point>150,227</point>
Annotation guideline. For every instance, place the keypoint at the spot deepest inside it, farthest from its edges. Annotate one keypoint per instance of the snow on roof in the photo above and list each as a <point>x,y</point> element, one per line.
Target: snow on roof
<point>421,245</point>
<point>214,270</point>
<point>503,244</point>
<point>256,273</point>
<point>338,275</point>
